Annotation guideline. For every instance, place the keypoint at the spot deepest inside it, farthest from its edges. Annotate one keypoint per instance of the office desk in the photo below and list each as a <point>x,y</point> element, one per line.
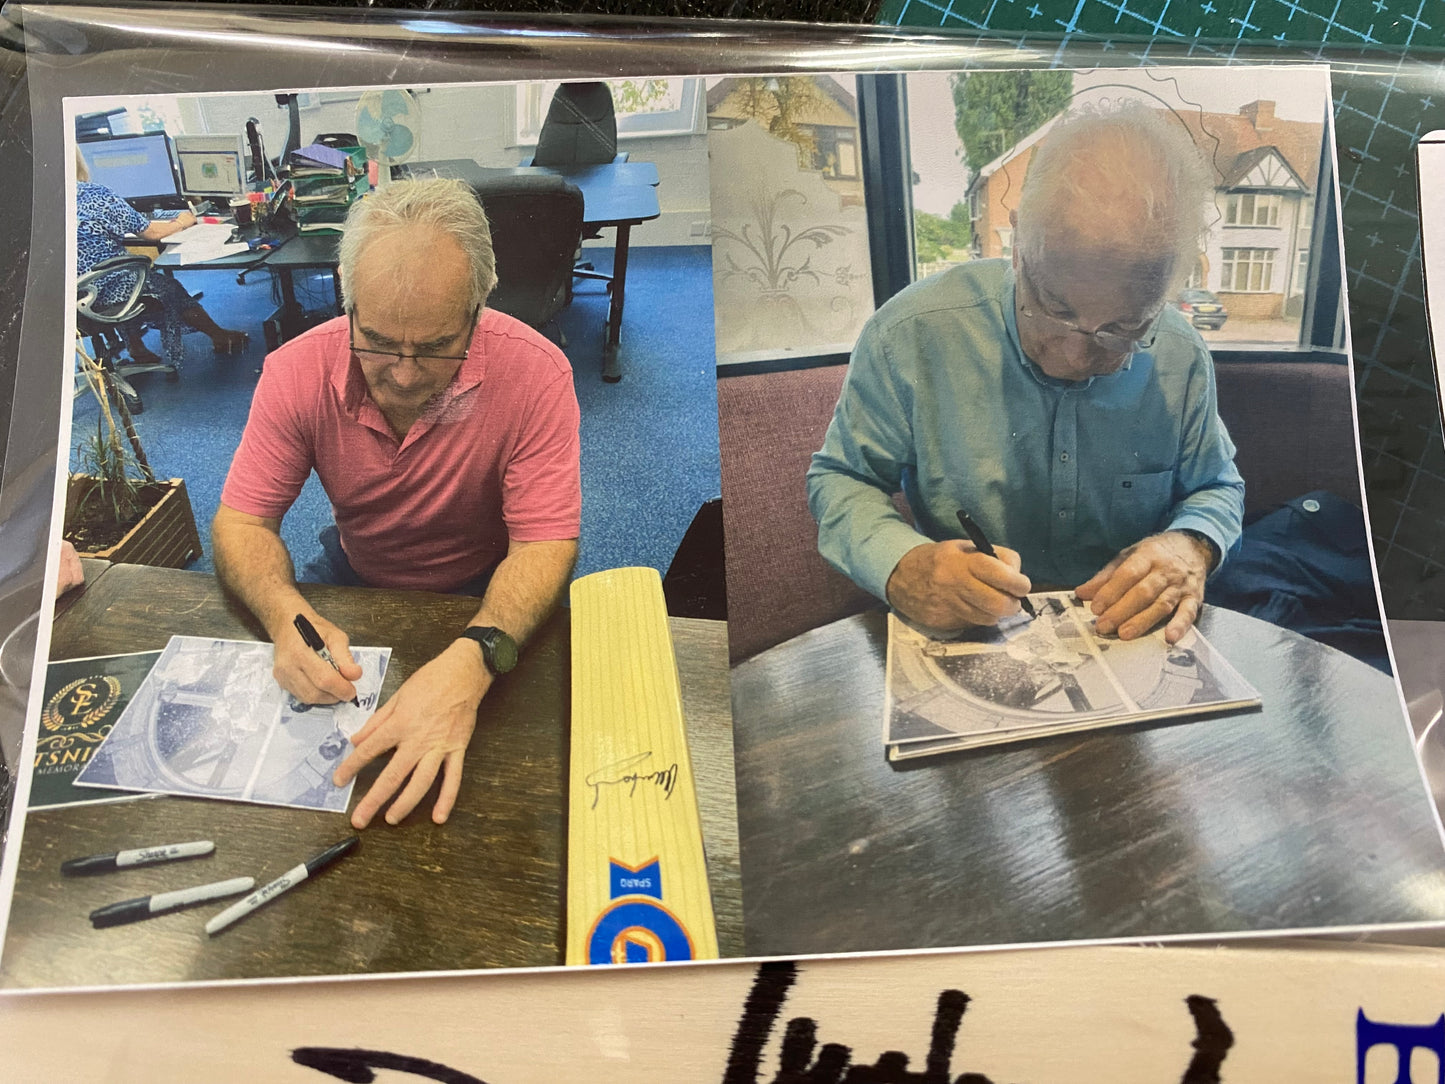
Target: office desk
<point>484,890</point>
<point>298,252</point>
<point>1309,813</point>
<point>304,252</point>
<point>617,195</point>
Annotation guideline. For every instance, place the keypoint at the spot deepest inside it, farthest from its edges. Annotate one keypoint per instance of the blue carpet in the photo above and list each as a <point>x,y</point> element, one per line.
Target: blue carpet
<point>649,443</point>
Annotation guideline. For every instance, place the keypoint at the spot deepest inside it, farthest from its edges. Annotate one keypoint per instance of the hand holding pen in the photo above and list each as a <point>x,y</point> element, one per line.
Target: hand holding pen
<point>952,585</point>
<point>316,668</point>
<point>983,545</point>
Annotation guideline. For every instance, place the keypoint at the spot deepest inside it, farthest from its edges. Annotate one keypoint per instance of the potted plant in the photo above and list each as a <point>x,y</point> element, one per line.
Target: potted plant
<point>115,508</point>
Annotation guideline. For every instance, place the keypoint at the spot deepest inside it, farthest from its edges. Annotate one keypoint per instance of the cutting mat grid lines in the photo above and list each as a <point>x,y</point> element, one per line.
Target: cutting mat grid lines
<point>1346,22</point>
<point>1384,102</point>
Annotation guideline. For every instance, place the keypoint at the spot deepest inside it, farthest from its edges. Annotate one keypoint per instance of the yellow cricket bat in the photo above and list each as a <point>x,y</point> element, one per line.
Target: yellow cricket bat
<point>637,888</point>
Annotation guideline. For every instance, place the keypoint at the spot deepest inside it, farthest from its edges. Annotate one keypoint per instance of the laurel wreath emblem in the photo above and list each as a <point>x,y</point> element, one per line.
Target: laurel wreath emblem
<point>61,715</point>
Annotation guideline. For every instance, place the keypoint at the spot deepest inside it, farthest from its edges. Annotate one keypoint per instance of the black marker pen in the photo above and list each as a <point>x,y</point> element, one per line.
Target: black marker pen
<point>983,545</point>
<point>317,644</point>
<point>144,856</point>
<point>115,914</point>
<point>288,880</point>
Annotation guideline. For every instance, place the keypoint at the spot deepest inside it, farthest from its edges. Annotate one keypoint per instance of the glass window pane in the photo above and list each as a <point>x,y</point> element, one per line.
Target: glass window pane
<point>792,273</point>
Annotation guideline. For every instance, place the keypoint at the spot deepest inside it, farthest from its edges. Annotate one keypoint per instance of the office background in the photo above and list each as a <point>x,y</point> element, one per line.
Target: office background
<point>649,443</point>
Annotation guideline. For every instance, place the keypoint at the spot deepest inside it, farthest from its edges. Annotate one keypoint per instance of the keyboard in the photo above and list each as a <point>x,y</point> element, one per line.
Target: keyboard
<point>168,214</point>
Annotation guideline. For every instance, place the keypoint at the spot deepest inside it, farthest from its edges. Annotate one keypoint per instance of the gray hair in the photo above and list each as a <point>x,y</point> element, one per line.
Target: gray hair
<point>1122,178</point>
<point>447,206</point>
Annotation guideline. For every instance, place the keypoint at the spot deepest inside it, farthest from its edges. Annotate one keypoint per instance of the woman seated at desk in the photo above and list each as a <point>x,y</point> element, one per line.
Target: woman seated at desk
<point>104,221</point>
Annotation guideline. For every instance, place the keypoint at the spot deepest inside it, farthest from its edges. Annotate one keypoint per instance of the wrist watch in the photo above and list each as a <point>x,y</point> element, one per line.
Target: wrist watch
<point>1200,536</point>
<point>499,651</point>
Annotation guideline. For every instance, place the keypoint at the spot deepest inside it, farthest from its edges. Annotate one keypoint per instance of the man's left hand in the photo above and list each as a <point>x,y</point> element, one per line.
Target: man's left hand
<point>1161,575</point>
<point>429,723</point>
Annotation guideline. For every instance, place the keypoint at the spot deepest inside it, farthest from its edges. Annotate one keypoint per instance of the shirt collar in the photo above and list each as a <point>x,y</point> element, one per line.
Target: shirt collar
<point>1010,319</point>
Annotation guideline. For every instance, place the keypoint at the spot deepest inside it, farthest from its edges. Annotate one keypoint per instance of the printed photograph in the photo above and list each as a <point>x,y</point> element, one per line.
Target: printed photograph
<point>197,726</point>
<point>985,336</point>
<point>1043,673</point>
<point>400,367</point>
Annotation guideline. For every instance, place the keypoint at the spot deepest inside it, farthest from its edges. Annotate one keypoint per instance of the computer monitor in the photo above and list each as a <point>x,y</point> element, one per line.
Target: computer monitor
<point>135,167</point>
<point>211,165</point>
<point>91,125</point>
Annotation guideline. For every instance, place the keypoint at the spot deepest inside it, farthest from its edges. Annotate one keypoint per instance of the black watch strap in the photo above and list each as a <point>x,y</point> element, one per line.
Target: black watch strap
<point>499,651</point>
<point>1208,542</point>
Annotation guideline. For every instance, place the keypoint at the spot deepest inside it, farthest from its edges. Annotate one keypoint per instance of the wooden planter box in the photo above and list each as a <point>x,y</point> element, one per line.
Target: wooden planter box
<point>165,538</point>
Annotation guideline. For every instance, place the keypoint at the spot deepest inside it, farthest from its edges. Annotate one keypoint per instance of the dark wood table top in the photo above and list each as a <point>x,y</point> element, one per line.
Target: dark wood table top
<point>1309,813</point>
<point>487,889</point>
<point>306,250</point>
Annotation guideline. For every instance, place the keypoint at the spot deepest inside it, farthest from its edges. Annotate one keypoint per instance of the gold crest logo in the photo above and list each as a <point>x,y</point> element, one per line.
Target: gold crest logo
<point>78,707</point>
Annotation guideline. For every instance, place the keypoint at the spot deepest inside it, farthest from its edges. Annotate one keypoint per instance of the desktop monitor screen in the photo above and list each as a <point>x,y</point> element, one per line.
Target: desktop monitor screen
<point>211,165</point>
<point>135,167</point>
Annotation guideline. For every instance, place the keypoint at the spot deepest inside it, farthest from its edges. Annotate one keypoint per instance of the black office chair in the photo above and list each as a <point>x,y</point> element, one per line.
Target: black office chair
<point>536,222</point>
<point>107,326</point>
<point>580,129</point>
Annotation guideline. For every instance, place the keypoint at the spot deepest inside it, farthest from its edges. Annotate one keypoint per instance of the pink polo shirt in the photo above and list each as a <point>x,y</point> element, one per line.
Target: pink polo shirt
<point>494,458</point>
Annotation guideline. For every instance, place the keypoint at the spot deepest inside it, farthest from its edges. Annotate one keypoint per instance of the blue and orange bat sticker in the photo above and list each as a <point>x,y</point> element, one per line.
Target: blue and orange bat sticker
<point>636,928</point>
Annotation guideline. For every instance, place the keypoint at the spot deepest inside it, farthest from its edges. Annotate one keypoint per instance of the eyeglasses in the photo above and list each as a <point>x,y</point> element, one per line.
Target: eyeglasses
<point>366,353</point>
<point>1113,342</point>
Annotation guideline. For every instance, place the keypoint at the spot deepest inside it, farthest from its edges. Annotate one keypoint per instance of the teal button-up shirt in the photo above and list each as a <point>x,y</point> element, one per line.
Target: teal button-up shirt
<point>941,402</point>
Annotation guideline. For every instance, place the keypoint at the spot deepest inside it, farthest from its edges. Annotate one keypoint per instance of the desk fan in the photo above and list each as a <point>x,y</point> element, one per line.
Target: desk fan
<point>384,125</point>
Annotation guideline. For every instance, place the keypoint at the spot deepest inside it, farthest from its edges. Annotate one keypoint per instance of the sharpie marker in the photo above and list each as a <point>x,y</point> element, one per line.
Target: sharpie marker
<point>290,879</point>
<point>983,545</point>
<point>317,644</point>
<point>107,863</point>
<point>115,914</point>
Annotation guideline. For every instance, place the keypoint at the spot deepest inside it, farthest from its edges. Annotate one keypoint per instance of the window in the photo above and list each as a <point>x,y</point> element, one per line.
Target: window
<point>837,153</point>
<point>967,143</point>
<point>792,266</point>
<point>1197,276</point>
<point>645,107</point>
<point>1252,209</point>
<point>1247,270</point>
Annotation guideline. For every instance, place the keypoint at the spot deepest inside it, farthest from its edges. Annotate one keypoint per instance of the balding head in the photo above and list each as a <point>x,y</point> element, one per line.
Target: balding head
<point>1123,189</point>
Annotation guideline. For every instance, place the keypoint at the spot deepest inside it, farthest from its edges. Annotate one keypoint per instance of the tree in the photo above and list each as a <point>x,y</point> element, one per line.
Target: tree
<point>783,104</point>
<point>938,238</point>
<point>994,110</point>
<point>637,95</point>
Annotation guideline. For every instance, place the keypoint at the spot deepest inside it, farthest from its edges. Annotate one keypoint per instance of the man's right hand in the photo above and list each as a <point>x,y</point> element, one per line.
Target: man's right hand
<point>947,586</point>
<point>305,674</point>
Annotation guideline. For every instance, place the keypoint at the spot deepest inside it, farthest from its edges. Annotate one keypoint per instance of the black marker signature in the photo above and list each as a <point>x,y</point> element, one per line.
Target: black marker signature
<point>801,1059</point>
<point>665,778</point>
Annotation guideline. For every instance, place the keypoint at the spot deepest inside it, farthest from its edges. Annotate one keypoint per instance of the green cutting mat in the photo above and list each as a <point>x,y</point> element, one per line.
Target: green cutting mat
<point>1389,89</point>
<point>1358,22</point>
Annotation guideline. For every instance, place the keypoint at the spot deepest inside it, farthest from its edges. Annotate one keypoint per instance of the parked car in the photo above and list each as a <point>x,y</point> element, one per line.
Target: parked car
<point>1203,308</point>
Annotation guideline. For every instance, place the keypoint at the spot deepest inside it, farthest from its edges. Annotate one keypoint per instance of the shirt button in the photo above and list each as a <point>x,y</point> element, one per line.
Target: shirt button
<point>1310,505</point>
<point>1062,514</point>
<point>1063,457</point>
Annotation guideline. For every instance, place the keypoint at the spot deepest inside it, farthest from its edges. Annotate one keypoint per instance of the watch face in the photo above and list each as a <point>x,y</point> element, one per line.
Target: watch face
<point>504,651</point>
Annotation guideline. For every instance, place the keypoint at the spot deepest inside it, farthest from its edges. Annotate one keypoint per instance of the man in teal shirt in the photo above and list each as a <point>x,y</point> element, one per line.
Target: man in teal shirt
<point>1056,397</point>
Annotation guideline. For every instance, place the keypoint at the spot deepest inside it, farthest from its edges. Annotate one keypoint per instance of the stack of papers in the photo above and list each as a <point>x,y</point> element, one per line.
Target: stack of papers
<point>1053,674</point>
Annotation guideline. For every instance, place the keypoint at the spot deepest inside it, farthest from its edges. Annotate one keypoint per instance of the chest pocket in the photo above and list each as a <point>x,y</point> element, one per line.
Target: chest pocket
<point>1138,506</point>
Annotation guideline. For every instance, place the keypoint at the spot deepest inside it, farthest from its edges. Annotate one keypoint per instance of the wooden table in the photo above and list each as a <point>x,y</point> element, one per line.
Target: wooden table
<point>484,890</point>
<point>1309,813</point>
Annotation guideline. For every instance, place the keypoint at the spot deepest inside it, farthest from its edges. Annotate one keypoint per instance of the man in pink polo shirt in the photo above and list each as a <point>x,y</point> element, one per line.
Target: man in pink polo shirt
<point>446,437</point>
